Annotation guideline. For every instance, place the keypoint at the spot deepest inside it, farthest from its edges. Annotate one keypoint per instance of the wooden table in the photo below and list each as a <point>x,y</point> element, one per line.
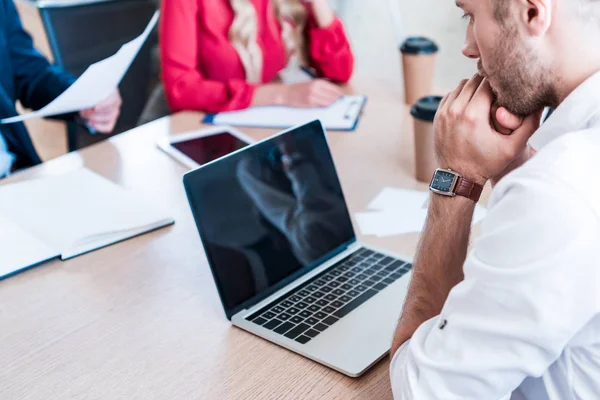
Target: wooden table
<point>142,319</point>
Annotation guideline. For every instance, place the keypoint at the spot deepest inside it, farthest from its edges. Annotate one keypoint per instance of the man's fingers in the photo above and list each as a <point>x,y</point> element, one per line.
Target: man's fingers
<point>100,122</point>
<point>507,119</point>
<point>468,92</point>
<point>85,114</point>
<point>498,127</point>
<point>450,97</point>
<point>103,108</point>
<point>443,102</point>
<point>521,135</point>
<point>103,116</point>
<point>103,127</point>
<point>101,113</point>
<point>482,100</point>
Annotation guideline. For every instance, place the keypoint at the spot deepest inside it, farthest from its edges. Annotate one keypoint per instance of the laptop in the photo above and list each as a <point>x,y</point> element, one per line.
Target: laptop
<point>284,255</point>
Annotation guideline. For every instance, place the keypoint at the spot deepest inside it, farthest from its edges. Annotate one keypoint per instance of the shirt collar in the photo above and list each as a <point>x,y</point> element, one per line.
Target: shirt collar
<point>575,113</point>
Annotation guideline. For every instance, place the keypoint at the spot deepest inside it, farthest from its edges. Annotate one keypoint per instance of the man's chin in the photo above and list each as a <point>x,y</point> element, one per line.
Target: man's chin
<point>501,101</point>
<point>495,92</point>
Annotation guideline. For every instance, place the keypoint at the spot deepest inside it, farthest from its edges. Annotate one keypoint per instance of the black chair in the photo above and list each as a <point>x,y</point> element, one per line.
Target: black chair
<point>83,32</point>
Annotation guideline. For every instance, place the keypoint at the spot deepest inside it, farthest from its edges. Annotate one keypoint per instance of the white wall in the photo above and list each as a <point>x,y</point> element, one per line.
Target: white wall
<point>441,21</point>
<point>374,27</point>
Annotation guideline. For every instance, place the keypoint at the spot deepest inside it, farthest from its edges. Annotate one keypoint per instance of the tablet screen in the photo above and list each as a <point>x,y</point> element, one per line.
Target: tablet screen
<point>208,148</point>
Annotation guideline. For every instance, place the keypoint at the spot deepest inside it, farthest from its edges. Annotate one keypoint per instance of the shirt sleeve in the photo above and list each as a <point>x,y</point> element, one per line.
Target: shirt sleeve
<point>329,50</point>
<point>185,86</point>
<point>530,285</point>
<point>37,83</point>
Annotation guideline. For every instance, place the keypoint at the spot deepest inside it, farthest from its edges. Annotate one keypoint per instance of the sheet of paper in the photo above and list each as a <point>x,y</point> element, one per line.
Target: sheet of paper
<point>95,84</point>
<point>341,115</point>
<point>392,198</point>
<point>396,211</point>
<point>79,211</point>
<point>391,222</point>
<point>19,249</point>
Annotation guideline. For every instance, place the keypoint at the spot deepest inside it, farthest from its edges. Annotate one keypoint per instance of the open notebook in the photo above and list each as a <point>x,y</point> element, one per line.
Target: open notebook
<point>68,215</point>
<point>342,115</point>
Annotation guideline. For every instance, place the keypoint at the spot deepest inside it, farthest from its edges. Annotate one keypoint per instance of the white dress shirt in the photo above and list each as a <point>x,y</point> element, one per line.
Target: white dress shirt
<point>525,322</point>
<point>6,158</point>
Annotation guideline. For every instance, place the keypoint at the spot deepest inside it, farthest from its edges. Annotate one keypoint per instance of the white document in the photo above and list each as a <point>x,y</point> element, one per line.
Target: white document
<point>19,249</point>
<point>397,211</point>
<point>341,115</point>
<point>393,198</point>
<point>391,222</point>
<point>95,84</point>
<point>77,212</point>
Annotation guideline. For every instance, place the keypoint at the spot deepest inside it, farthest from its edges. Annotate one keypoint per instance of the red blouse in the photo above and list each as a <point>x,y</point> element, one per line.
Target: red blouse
<point>202,71</point>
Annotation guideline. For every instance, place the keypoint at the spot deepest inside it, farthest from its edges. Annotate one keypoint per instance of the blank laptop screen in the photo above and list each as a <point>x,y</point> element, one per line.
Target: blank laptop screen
<point>268,213</point>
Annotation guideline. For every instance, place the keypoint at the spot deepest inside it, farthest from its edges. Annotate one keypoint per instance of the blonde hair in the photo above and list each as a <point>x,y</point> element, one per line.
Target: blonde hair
<point>292,16</point>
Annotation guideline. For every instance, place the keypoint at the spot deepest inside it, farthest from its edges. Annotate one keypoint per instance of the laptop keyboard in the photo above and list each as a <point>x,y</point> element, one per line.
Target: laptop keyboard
<point>319,303</point>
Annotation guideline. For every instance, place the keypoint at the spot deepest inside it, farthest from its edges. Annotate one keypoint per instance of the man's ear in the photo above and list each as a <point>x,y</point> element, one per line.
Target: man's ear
<point>536,15</point>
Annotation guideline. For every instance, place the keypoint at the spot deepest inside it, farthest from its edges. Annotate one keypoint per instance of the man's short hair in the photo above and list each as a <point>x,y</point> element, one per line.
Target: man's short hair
<point>588,10</point>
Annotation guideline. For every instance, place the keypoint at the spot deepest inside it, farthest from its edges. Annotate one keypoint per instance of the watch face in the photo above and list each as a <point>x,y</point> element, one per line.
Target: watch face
<point>442,181</point>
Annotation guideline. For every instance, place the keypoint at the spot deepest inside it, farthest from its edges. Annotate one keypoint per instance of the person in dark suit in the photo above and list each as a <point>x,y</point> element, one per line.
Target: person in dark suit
<point>27,76</point>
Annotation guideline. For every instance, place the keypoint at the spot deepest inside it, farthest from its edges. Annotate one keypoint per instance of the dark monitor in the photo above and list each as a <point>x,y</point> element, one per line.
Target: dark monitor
<point>269,213</point>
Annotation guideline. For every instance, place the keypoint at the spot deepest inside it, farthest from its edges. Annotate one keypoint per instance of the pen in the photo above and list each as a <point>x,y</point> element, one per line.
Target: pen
<point>92,130</point>
<point>309,71</point>
<point>312,73</point>
<point>81,121</point>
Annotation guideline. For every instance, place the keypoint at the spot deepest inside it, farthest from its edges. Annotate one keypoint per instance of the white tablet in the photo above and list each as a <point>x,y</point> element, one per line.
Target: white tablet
<point>197,148</point>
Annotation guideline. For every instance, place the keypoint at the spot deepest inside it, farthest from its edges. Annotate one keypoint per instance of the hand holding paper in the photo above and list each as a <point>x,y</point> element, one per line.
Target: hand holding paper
<point>95,85</point>
<point>103,117</point>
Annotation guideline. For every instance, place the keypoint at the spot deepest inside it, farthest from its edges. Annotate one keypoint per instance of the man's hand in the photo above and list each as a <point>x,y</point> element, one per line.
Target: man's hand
<point>104,115</point>
<point>505,122</point>
<point>466,139</point>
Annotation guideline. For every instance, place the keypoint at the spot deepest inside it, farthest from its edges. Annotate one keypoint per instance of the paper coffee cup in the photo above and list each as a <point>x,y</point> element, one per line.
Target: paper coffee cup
<point>423,113</point>
<point>418,63</point>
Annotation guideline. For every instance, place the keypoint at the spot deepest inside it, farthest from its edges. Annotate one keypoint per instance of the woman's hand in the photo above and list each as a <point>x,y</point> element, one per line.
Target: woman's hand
<point>316,93</point>
<point>322,12</point>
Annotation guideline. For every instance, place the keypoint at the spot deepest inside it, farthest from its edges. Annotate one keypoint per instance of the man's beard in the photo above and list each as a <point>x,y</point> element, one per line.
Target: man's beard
<point>518,79</point>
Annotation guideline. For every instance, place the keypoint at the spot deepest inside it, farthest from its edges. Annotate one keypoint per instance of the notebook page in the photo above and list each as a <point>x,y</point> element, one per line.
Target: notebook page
<point>19,249</point>
<point>79,211</point>
<point>341,115</point>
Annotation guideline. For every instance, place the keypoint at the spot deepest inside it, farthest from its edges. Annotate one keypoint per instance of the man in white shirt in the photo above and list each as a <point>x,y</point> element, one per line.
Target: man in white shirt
<point>520,314</point>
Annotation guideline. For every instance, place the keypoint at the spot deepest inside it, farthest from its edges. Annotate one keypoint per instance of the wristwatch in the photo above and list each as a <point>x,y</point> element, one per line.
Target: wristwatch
<point>450,183</point>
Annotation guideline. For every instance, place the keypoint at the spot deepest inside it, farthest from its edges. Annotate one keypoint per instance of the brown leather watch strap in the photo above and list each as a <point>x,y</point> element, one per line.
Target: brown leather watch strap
<point>468,189</point>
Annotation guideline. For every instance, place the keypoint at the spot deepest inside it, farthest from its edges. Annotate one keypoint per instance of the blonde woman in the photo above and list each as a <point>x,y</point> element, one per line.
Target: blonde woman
<point>220,55</point>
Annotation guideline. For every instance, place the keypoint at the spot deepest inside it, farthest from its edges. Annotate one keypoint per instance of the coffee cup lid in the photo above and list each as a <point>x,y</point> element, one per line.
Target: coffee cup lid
<point>418,45</point>
<point>426,108</point>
